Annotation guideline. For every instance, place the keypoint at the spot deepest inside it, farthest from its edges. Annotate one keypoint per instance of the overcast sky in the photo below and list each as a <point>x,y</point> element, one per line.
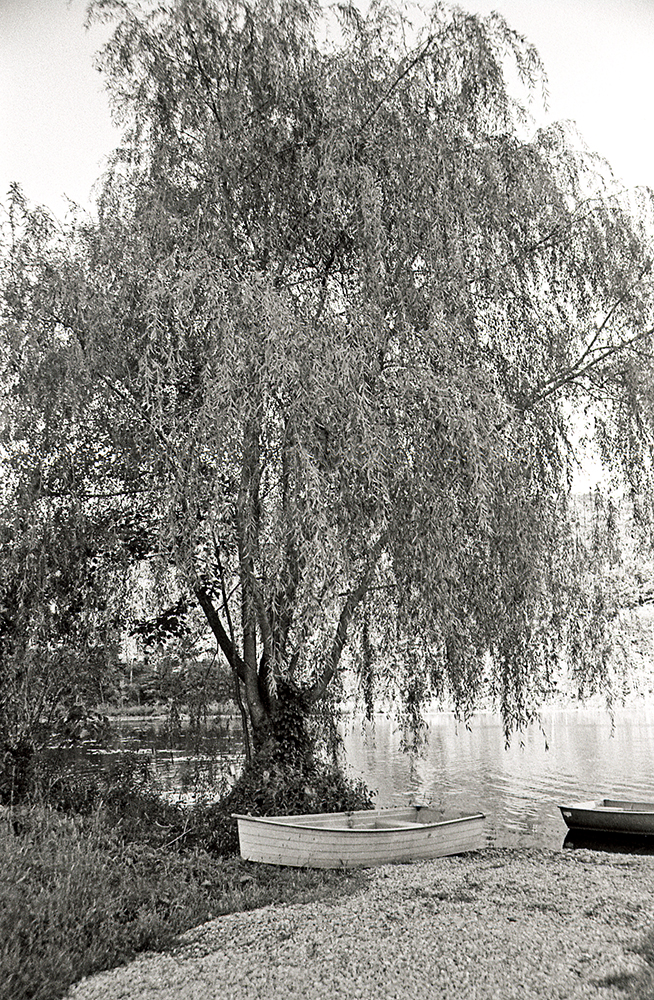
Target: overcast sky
<point>54,119</point>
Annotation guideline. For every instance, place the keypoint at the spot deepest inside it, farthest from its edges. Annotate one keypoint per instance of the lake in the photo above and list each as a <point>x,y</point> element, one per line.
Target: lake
<point>577,755</point>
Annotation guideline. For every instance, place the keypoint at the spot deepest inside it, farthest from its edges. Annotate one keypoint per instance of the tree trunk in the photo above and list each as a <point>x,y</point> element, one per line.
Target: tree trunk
<point>245,670</point>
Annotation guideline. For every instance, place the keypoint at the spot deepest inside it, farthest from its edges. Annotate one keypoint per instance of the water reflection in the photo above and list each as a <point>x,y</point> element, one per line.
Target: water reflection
<point>185,762</point>
<point>617,843</point>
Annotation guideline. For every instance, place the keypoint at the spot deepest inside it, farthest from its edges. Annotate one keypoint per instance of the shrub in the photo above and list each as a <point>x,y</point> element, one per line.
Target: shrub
<point>278,788</point>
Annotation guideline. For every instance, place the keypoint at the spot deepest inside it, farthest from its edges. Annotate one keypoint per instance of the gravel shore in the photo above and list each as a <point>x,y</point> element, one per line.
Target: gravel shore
<point>505,923</point>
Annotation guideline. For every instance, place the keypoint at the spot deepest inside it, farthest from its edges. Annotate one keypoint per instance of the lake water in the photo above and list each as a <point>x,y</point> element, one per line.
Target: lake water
<point>578,754</point>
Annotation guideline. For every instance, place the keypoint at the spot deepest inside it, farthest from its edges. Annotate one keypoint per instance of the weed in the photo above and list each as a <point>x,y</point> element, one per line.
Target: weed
<point>96,870</point>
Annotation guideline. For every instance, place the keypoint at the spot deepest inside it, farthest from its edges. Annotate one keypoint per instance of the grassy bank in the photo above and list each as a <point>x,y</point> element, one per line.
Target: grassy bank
<point>96,869</point>
<point>77,896</point>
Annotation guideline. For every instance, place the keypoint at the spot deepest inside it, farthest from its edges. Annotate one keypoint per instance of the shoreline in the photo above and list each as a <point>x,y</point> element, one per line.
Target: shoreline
<point>509,922</point>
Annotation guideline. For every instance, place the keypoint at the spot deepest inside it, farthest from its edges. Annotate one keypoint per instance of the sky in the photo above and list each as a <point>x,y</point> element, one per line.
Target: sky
<point>55,128</point>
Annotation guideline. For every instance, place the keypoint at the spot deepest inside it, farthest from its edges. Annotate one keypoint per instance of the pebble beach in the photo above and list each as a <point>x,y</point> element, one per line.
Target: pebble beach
<point>498,923</point>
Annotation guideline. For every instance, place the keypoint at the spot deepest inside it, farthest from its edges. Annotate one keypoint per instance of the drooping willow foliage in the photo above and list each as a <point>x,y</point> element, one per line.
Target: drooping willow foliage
<point>330,338</point>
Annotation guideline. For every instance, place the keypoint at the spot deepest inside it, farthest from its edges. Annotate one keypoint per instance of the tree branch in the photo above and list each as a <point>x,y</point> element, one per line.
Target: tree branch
<point>205,79</point>
<point>226,645</point>
<point>573,374</point>
<point>591,357</point>
<point>578,368</point>
<point>237,681</point>
<point>414,62</point>
<point>353,600</point>
<point>287,147</point>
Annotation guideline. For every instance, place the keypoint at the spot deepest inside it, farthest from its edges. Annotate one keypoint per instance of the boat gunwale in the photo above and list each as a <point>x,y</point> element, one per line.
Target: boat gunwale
<point>287,823</point>
<point>626,808</point>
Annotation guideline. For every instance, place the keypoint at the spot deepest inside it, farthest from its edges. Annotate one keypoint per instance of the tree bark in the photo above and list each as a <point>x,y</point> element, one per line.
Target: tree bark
<point>243,668</point>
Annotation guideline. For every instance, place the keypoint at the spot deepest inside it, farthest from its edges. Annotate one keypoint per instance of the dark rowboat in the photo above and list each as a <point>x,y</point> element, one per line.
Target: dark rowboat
<point>363,838</point>
<point>610,816</point>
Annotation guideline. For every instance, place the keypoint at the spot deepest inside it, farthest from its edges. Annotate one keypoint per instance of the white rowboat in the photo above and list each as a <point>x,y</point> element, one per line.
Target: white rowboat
<point>363,838</point>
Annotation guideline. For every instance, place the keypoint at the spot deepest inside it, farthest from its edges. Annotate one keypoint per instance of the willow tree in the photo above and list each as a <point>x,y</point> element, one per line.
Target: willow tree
<point>342,316</point>
<point>66,533</point>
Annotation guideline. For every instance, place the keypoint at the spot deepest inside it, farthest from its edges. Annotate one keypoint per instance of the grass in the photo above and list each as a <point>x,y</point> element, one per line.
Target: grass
<point>75,898</point>
<point>92,875</point>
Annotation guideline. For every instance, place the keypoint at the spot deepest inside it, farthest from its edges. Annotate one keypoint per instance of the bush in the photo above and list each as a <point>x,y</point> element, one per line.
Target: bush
<point>278,788</point>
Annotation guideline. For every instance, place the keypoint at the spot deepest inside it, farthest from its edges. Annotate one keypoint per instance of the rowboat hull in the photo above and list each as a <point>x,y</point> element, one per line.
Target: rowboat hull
<point>610,816</point>
<point>358,839</point>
